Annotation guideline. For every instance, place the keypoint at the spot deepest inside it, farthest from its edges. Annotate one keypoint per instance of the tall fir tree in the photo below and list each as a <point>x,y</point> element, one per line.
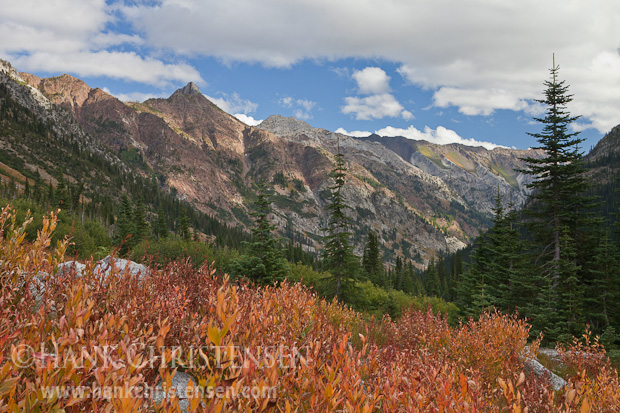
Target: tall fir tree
<point>124,226</point>
<point>161,224</point>
<point>432,283</point>
<point>371,260</point>
<point>558,211</point>
<point>183,225</point>
<point>140,222</point>
<point>62,193</point>
<point>263,259</point>
<point>338,257</point>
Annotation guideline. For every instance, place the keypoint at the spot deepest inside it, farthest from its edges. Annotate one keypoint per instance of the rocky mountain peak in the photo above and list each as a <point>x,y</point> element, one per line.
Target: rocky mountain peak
<point>189,89</point>
<point>282,126</point>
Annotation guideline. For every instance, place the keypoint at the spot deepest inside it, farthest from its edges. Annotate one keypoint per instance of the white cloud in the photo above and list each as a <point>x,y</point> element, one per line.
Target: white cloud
<point>375,107</point>
<point>248,120</point>
<point>478,56</point>
<point>64,36</point>
<point>441,135</point>
<point>233,103</point>
<point>286,102</point>
<point>460,50</point>
<point>302,107</point>
<point>355,133</point>
<point>119,65</point>
<point>372,81</point>
<point>134,96</point>
<point>478,101</point>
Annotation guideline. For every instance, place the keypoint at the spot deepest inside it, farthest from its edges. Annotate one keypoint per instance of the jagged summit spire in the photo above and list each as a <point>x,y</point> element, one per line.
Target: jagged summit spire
<point>190,89</point>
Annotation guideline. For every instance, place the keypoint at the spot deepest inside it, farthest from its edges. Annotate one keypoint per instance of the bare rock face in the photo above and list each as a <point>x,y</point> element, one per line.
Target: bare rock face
<point>189,89</point>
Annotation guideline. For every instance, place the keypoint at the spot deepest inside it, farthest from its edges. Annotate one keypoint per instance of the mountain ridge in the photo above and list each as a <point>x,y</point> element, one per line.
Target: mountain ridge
<point>214,161</point>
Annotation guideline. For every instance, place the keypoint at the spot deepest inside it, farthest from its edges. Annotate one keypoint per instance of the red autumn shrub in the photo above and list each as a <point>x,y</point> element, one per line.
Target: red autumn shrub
<point>295,352</point>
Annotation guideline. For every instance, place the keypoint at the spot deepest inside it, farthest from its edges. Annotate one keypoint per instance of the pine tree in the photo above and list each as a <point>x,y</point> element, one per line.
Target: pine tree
<point>558,208</point>
<point>263,259</point>
<point>62,194</point>
<point>124,225</point>
<point>27,189</point>
<point>184,225</point>
<point>371,261</point>
<point>140,222</point>
<point>338,256</point>
<point>432,284</point>
<point>161,227</point>
<point>473,293</point>
<point>76,194</point>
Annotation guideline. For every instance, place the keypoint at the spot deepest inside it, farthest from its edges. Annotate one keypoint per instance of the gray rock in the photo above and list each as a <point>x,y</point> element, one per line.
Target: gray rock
<point>533,366</point>
<point>179,383</point>
<point>67,266</point>
<point>106,265</point>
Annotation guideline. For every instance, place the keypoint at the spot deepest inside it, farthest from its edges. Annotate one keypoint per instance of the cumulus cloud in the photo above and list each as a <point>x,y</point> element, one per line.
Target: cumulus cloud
<point>354,133</point>
<point>375,82</point>
<point>478,101</point>
<point>441,135</point>
<point>233,103</point>
<point>302,108</point>
<point>375,107</point>
<point>119,65</point>
<point>477,56</point>
<point>248,120</point>
<point>372,81</point>
<point>134,96</point>
<point>459,50</point>
<point>71,36</point>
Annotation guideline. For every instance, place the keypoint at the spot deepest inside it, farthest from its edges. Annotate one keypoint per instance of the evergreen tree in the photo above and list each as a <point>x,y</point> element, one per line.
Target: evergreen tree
<point>27,189</point>
<point>337,254</point>
<point>263,259</point>
<point>161,227</point>
<point>432,284</point>
<point>76,194</point>
<point>473,290</point>
<point>51,196</point>
<point>140,222</point>
<point>371,261</point>
<point>558,207</point>
<point>184,225</point>
<point>603,286</point>
<point>124,225</point>
<point>62,194</point>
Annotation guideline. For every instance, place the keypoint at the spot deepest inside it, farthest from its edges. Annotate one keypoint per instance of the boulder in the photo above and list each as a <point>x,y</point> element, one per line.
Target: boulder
<point>533,366</point>
<point>179,383</point>
<point>105,265</point>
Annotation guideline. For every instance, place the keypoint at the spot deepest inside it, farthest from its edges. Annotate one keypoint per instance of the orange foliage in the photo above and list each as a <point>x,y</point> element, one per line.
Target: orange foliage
<point>126,331</point>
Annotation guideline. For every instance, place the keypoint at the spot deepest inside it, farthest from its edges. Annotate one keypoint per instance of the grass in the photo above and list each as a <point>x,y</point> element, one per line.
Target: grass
<point>426,151</point>
<point>460,161</point>
<point>501,171</point>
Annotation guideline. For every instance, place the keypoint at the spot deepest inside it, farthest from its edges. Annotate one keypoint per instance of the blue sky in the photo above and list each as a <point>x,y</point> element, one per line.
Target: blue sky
<point>441,70</point>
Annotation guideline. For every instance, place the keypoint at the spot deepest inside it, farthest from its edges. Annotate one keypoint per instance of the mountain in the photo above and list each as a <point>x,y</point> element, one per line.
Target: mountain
<point>603,163</point>
<point>420,198</point>
<point>473,172</point>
